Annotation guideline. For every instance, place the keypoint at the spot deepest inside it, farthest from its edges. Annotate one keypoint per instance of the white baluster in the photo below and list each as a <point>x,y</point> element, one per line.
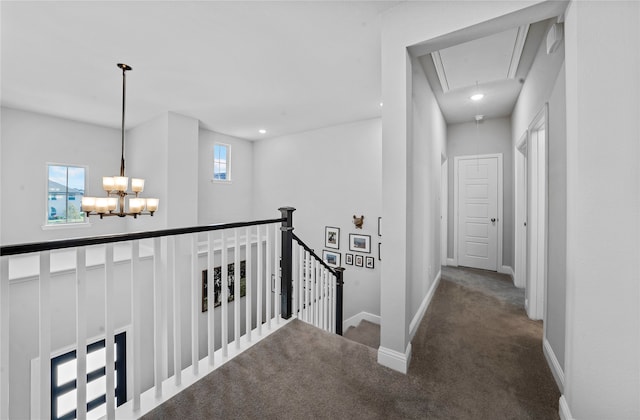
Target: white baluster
<point>210,299</point>
<point>307,288</point>
<point>260,283</point>
<point>158,316</point>
<point>195,304</point>
<point>318,297</point>
<point>45,334</point>
<point>314,294</point>
<point>136,321</point>
<point>224,289</point>
<point>4,337</point>
<point>300,281</point>
<point>332,286</point>
<point>236,289</point>
<point>247,301</point>
<point>326,299</point>
<point>269,285</point>
<point>277,270</point>
<point>177,318</point>
<point>109,339</point>
<point>81,333</point>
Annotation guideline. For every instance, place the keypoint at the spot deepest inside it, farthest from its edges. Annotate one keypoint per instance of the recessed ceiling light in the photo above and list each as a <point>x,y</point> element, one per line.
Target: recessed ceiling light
<point>477,97</point>
<point>262,131</point>
<point>381,104</point>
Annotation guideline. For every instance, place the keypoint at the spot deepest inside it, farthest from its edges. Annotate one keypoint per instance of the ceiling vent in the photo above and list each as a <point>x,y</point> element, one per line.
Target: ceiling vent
<point>554,37</point>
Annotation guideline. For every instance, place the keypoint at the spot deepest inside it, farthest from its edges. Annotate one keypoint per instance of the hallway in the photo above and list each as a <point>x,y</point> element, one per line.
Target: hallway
<point>475,356</point>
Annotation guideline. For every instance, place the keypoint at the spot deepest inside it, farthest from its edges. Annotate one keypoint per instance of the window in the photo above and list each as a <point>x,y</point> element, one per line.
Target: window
<point>221,162</point>
<point>65,188</point>
<point>63,380</point>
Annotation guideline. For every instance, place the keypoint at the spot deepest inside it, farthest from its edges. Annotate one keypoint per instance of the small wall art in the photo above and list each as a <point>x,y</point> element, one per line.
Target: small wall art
<point>217,284</point>
<point>358,221</point>
<point>332,237</point>
<point>360,243</point>
<point>369,262</point>
<point>359,260</point>
<point>332,259</point>
<point>348,259</point>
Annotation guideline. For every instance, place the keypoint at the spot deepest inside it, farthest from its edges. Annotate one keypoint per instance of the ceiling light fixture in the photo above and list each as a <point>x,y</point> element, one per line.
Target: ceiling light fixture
<point>114,204</point>
<point>477,97</point>
<point>262,131</point>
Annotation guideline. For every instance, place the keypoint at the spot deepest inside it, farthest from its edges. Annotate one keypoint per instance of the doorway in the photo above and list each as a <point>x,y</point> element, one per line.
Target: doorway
<point>478,211</point>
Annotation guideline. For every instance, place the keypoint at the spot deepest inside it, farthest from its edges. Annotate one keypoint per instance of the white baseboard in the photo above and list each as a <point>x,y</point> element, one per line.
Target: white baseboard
<point>505,269</point>
<point>415,322</point>
<point>452,262</point>
<point>565,413</point>
<point>394,359</point>
<point>355,320</point>
<point>554,365</point>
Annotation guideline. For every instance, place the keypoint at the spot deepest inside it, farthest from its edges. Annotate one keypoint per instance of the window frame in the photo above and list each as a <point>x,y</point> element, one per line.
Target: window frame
<point>120,340</point>
<point>228,163</point>
<point>66,224</point>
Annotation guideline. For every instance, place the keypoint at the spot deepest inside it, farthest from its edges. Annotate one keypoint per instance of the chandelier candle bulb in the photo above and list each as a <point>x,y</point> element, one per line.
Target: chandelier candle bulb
<point>137,185</point>
<point>121,183</point>
<point>152,204</point>
<point>113,203</point>
<point>108,183</point>
<point>88,204</point>
<point>136,205</point>
<point>102,205</point>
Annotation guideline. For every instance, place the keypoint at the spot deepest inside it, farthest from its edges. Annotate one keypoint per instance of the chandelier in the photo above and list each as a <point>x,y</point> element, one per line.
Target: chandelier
<point>117,202</point>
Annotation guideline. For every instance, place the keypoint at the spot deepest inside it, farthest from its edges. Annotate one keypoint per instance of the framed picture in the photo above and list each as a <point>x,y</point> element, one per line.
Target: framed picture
<point>348,259</point>
<point>379,223</point>
<point>217,284</point>
<point>369,262</point>
<point>332,237</point>
<point>332,259</point>
<point>360,243</point>
<point>359,260</point>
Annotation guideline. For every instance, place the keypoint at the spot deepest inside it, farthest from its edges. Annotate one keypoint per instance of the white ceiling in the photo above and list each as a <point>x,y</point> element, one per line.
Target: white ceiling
<point>236,66</point>
<point>494,65</point>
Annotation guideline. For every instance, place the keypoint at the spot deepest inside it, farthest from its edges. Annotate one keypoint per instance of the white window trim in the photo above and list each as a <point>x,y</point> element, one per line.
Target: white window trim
<point>229,154</point>
<point>57,226</point>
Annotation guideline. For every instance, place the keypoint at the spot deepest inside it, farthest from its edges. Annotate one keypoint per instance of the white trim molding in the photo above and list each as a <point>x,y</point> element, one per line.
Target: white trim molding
<point>362,316</point>
<point>565,413</point>
<point>415,322</point>
<point>553,363</point>
<point>506,269</point>
<point>394,359</point>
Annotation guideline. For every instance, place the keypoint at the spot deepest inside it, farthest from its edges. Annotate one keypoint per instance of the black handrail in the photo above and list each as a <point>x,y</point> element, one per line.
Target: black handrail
<point>121,237</point>
<point>302,244</point>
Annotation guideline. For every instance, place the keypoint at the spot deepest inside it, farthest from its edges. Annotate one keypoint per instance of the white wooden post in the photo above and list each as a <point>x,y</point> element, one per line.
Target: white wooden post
<point>224,289</point>
<point>210,299</point>
<point>81,333</point>
<point>260,283</point>
<point>45,334</point>
<point>4,337</point>
<point>109,322</point>
<point>158,316</point>
<point>277,271</point>
<point>248,299</point>
<point>236,289</point>
<point>136,322</point>
<point>195,306</point>
<point>269,285</point>
<point>177,328</point>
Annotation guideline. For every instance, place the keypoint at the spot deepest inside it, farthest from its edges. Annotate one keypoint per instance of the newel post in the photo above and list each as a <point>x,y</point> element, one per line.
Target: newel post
<point>339,293</point>
<point>286,281</point>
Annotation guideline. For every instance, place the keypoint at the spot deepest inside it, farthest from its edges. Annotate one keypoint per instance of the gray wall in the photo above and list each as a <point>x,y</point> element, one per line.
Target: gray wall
<point>491,136</point>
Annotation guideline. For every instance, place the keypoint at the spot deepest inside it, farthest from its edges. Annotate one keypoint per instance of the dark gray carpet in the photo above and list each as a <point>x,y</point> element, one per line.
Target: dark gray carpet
<point>366,333</point>
<point>474,357</point>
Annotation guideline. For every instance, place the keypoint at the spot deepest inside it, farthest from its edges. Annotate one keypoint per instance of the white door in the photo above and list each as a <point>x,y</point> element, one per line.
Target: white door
<point>478,213</point>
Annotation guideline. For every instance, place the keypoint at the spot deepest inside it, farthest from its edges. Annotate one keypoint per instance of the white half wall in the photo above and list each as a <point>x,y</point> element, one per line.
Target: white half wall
<point>329,175</point>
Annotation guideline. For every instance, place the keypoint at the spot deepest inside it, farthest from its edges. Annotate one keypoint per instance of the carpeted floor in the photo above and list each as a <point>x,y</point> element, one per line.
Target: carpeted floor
<point>366,333</point>
<point>475,356</point>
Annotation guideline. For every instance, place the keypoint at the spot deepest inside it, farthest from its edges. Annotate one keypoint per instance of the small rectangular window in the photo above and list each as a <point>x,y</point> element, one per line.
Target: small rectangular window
<point>65,188</point>
<point>221,162</point>
<point>63,380</point>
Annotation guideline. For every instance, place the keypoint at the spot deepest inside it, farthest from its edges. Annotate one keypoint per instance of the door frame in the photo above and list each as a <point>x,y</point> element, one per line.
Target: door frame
<point>520,269</point>
<point>444,209</point>
<point>538,208</point>
<point>457,160</point>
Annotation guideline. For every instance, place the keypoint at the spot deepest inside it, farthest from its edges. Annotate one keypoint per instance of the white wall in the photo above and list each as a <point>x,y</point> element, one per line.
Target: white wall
<point>491,136</point>
<point>405,25</point>
<point>602,367</point>
<point>221,201</point>
<point>328,175</point>
<point>429,132</point>
<point>545,83</point>
<point>29,142</point>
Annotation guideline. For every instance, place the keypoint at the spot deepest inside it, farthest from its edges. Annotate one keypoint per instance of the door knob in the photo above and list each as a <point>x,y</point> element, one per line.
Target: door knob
<point>493,220</point>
